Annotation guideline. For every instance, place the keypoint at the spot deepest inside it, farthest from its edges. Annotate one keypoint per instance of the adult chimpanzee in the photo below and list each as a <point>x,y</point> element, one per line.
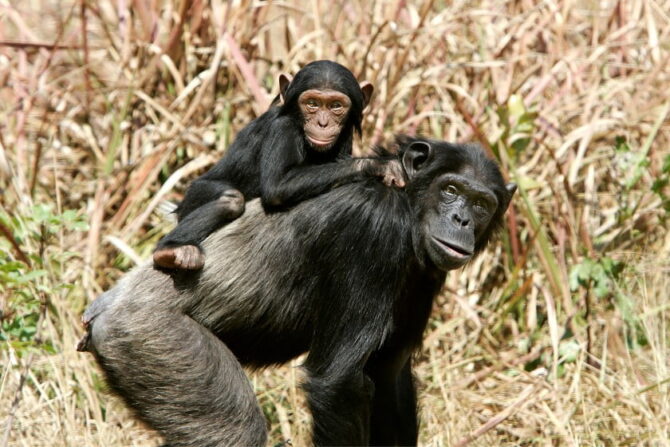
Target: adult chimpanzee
<point>285,156</point>
<point>348,277</point>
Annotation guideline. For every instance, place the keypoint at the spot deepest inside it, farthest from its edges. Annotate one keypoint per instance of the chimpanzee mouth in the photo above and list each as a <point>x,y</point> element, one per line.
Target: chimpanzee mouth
<point>453,249</point>
<point>320,143</point>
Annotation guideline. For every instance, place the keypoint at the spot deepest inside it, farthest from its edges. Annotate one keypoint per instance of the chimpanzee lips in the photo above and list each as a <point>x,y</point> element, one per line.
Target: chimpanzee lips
<point>320,143</point>
<point>453,249</point>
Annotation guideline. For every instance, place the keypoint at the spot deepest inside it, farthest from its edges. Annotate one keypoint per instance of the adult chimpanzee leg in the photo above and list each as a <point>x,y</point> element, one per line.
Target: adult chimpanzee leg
<point>394,408</point>
<point>340,405</point>
<point>406,409</point>
<point>339,392</point>
<point>178,377</point>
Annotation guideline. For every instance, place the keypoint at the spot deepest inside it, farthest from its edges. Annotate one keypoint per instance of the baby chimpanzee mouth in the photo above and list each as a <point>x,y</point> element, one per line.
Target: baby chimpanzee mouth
<point>320,142</point>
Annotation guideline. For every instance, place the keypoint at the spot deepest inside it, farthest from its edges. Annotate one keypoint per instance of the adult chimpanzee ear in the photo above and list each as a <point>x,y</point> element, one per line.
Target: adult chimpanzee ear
<point>415,156</point>
<point>367,88</point>
<point>284,81</point>
<point>511,189</point>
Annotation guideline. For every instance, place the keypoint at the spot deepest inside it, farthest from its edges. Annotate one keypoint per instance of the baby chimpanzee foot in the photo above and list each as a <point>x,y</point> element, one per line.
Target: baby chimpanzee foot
<point>184,257</point>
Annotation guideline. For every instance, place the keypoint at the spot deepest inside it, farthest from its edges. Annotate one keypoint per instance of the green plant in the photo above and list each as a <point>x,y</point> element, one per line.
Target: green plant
<point>25,263</point>
<point>599,277</point>
<point>660,187</point>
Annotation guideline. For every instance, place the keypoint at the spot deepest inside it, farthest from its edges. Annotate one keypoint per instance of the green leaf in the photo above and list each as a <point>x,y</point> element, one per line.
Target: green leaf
<point>568,350</point>
<point>516,107</point>
<point>42,212</point>
<point>666,165</point>
<point>620,144</point>
<point>603,288</point>
<point>659,184</point>
<point>79,225</point>
<point>30,276</point>
<point>69,215</point>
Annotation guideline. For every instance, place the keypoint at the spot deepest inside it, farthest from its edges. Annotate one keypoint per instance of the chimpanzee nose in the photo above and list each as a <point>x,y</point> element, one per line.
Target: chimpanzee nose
<point>460,220</point>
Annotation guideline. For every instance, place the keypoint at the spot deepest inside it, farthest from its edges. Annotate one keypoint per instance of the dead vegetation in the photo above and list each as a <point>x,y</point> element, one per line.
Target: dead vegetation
<point>558,336</point>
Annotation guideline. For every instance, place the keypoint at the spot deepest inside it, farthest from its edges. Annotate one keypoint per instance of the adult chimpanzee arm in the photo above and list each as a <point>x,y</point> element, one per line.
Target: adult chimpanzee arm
<point>287,180</point>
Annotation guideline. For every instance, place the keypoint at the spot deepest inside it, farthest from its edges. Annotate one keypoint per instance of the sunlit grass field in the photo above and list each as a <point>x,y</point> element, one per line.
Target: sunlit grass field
<point>557,336</point>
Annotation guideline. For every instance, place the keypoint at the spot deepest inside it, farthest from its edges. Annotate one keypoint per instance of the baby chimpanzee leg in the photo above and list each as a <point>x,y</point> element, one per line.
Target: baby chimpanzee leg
<point>181,247</point>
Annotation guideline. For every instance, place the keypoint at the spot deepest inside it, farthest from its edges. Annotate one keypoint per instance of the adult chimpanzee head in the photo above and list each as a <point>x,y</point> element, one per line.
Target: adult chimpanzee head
<point>461,197</point>
<point>327,100</point>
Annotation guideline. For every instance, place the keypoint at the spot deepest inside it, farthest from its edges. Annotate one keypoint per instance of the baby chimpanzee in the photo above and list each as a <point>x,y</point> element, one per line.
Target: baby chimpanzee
<point>292,152</point>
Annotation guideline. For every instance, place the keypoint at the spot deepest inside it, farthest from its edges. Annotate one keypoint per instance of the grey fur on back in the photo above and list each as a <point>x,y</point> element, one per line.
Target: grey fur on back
<point>174,322</point>
<point>147,301</point>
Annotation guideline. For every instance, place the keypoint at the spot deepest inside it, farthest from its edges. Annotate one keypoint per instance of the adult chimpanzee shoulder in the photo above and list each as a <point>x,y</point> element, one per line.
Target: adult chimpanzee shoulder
<point>348,276</point>
<point>286,155</point>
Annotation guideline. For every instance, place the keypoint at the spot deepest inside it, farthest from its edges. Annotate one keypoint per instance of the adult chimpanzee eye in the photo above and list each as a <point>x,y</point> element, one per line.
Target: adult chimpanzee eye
<point>336,105</point>
<point>312,103</point>
<point>451,190</point>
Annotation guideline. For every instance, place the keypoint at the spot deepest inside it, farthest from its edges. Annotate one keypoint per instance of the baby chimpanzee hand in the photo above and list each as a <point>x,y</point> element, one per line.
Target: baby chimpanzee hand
<point>390,171</point>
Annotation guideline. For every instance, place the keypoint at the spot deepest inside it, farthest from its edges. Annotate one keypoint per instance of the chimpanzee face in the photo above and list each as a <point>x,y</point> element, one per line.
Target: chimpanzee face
<point>326,101</point>
<point>460,196</point>
<point>463,211</point>
<point>324,114</point>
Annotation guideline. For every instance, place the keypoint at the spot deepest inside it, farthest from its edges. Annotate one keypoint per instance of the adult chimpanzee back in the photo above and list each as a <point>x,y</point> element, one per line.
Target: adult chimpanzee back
<point>348,277</point>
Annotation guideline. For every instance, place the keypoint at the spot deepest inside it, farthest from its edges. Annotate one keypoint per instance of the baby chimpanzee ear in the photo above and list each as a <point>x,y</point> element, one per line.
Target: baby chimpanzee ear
<point>284,81</point>
<point>367,88</point>
<point>415,156</point>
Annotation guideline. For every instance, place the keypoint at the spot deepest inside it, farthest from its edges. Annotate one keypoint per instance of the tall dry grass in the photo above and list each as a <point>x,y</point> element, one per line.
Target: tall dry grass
<point>558,336</point>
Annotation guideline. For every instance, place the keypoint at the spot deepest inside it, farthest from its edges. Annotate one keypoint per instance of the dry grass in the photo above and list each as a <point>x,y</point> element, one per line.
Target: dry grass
<point>108,108</point>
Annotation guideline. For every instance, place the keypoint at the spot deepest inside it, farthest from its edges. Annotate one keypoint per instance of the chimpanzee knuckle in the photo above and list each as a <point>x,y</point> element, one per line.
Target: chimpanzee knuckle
<point>232,194</point>
<point>188,257</point>
<point>181,256</point>
<point>379,170</point>
<point>231,204</point>
<point>191,256</point>
<point>400,181</point>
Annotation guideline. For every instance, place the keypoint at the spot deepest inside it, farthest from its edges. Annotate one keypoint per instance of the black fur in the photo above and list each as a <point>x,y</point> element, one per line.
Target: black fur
<point>271,159</point>
<point>349,277</point>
